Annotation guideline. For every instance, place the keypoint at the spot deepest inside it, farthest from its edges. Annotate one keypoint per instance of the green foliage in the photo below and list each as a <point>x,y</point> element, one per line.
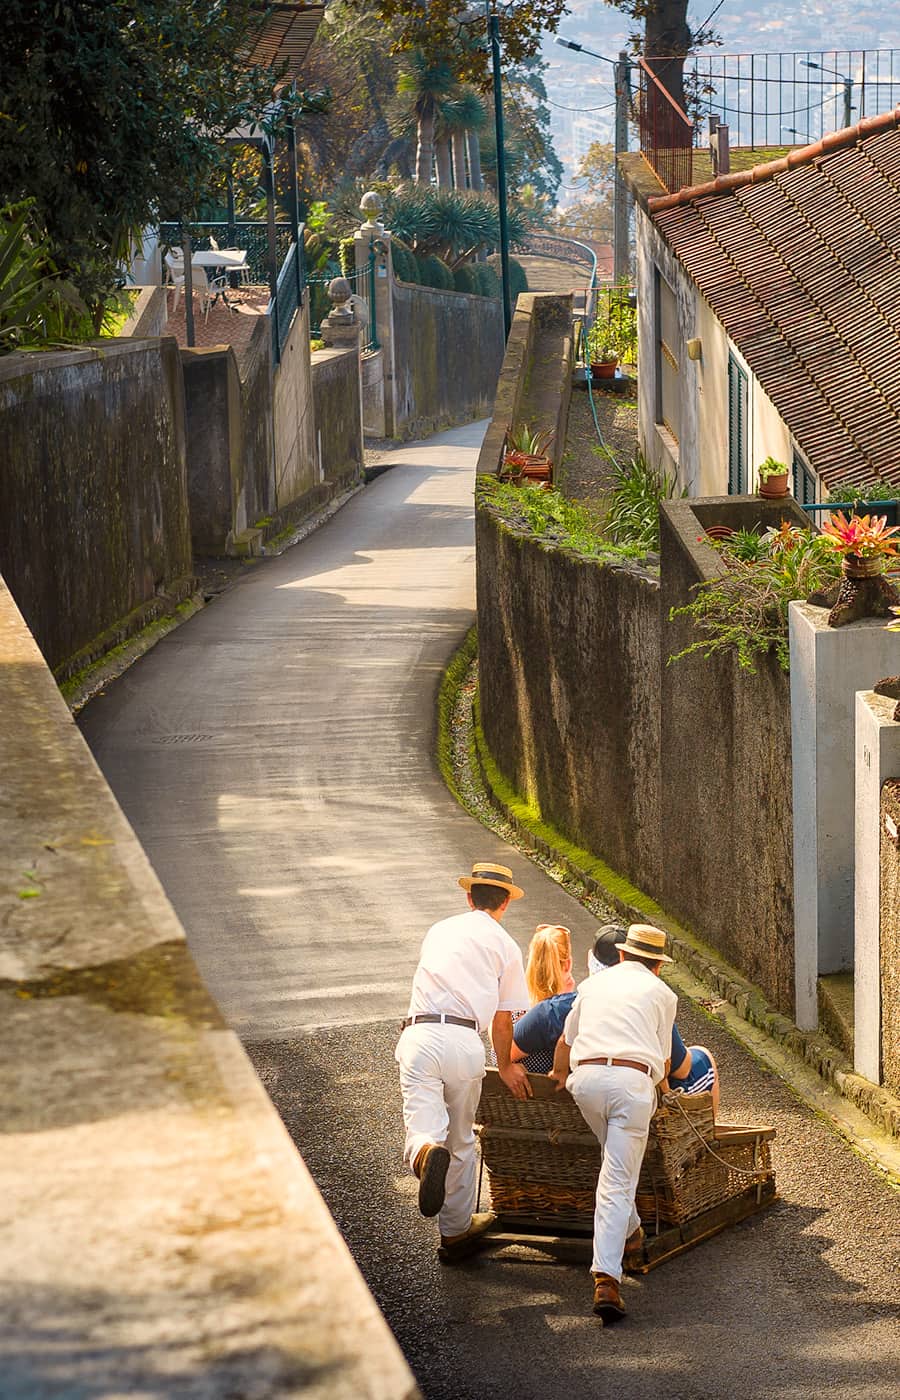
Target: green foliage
<point>551,517</point>
<point>435,27</point>
<point>873,490</point>
<point>37,306</point>
<point>464,279</point>
<point>748,546</point>
<point>771,467</point>
<point>433,272</point>
<point>115,112</point>
<point>518,282</point>
<point>405,265</point>
<point>613,334</point>
<point>745,609</point>
<point>633,517</point>
<point>486,280</point>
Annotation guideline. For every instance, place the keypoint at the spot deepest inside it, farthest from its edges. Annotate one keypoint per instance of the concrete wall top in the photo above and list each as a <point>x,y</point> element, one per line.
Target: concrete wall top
<point>161,1234</point>
<point>535,312</point>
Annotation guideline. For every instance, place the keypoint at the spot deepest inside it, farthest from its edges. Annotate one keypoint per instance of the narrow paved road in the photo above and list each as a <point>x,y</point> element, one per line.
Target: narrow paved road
<point>275,758</point>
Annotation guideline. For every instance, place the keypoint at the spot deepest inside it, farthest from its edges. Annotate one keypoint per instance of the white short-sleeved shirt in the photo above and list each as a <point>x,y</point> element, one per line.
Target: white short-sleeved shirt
<point>470,967</point>
<point>628,1013</point>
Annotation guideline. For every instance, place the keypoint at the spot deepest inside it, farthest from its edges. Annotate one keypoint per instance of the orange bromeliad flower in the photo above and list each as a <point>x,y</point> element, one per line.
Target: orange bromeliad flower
<point>866,536</point>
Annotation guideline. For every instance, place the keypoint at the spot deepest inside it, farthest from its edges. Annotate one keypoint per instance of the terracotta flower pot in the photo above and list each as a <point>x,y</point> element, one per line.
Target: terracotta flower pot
<point>773,487</point>
<point>603,369</point>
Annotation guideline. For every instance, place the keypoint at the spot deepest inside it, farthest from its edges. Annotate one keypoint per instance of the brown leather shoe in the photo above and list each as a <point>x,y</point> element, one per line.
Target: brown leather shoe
<point>607,1299</point>
<point>431,1168</point>
<point>633,1258</point>
<point>455,1247</point>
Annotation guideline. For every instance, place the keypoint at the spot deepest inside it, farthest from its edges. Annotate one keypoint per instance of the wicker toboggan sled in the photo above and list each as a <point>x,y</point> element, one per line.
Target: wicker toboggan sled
<point>542,1163</point>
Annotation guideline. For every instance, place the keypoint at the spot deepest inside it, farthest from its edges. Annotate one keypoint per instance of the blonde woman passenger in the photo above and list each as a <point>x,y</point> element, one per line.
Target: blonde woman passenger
<point>548,975</point>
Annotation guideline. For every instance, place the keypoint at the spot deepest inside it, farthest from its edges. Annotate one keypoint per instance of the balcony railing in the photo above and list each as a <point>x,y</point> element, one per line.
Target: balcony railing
<point>667,133</point>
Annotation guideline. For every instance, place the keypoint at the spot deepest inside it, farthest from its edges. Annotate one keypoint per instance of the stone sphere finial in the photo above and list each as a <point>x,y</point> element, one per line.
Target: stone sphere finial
<point>340,291</point>
<point>371,205</point>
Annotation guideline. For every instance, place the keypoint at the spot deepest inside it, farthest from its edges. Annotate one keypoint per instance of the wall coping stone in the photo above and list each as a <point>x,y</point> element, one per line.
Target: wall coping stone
<point>159,1223</point>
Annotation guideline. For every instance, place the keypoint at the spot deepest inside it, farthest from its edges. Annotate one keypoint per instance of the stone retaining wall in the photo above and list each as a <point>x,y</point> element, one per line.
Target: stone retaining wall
<point>678,776</point>
<point>338,415</point>
<point>94,536</point>
<point>447,352</point>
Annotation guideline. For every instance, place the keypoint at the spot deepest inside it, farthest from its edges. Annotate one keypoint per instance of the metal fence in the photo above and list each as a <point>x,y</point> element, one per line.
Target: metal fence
<point>667,133</point>
<point>362,281</point>
<point>286,301</point>
<point>250,235</point>
<point>780,99</point>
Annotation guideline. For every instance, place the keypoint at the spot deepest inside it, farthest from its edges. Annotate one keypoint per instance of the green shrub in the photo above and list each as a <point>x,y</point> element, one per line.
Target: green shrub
<point>487,281</point>
<point>745,610</point>
<point>405,265</point>
<point>872,490</point>
<point>518,282</point>
<point>551,517</point>
<point>347,256</point>
<point>634,507</point>
<point>464,279</point>
<point>434,272</point>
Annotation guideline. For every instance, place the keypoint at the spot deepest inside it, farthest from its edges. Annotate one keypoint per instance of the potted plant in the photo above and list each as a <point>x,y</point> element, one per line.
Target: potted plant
<point>602,351</point>
<point>525,455</point>
<point>865,544</point>
<point>773,478</point>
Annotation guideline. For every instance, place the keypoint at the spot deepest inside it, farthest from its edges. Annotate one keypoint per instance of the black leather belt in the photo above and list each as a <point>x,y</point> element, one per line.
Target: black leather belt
<point>440,1020</point>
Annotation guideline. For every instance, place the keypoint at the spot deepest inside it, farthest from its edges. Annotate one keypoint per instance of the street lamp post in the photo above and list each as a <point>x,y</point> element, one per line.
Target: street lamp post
<point>494,35</point>
<point>621,76</point>
<point>842,78</point>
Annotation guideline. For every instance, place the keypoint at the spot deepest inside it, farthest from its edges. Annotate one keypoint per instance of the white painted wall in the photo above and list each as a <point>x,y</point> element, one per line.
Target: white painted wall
<point>828,666</point>
<point>877,759</point>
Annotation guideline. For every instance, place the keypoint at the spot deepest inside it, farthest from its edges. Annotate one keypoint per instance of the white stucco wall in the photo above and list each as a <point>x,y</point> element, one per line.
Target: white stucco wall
<point>702,457</point>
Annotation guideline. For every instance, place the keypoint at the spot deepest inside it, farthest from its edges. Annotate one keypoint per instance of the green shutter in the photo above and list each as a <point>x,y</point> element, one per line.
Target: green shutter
<point>737,429</point>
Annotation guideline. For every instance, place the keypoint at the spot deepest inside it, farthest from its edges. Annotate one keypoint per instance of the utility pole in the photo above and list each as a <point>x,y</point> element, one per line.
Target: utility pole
<point>494,32</point>
<point>621,211</point>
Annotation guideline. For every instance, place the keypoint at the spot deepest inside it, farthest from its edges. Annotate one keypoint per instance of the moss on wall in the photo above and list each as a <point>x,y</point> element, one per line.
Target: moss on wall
<point>93,490</point>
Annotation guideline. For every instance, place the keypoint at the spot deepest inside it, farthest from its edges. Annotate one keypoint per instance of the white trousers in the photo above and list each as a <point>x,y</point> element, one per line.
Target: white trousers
<point>617,1103</point>
<point>441,1069</point>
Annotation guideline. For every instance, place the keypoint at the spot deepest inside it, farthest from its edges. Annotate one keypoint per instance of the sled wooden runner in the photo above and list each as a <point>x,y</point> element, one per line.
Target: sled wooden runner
<point>541,1163</point>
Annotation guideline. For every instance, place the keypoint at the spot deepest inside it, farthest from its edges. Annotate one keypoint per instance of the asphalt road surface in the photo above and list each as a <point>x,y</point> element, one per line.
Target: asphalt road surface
<point>274,755</point>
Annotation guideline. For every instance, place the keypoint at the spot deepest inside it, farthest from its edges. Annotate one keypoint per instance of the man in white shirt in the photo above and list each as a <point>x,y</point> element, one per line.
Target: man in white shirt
<point>469,978</point>
<point>612,1054</point>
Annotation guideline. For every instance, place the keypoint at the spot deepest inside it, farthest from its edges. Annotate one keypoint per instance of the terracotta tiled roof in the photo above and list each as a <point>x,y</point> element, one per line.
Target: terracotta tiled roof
<point>800,261</point>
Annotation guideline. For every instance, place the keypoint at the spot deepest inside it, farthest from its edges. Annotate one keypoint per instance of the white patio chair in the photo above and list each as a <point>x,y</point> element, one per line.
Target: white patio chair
<point>215,285</point>
<point>175,274</point>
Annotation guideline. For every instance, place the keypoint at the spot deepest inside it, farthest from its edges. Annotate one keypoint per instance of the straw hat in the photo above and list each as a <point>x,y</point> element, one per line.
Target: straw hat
<point>488,872</point>
<point>645,941</point>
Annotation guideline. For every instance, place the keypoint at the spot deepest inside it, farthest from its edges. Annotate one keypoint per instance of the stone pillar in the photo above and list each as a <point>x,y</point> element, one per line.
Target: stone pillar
<point>877,759</point>
<point>341,327</point>
<point>828,666</point>
<point>379,376</point>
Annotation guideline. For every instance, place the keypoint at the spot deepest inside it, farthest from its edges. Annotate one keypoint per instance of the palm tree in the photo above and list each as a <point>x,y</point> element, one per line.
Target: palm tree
<point>461,115</point>
<point>426,80</point>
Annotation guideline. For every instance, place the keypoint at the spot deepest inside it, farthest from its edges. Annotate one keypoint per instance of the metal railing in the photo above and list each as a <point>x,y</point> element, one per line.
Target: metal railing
<point>551,245</point>
<point>362,280</point>
<point>286,301</point>
<point>250,235</point>
<point>782,99</point>
<point>667,132</point>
